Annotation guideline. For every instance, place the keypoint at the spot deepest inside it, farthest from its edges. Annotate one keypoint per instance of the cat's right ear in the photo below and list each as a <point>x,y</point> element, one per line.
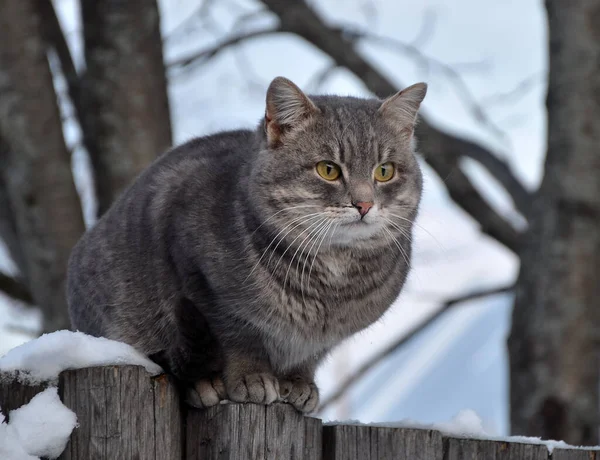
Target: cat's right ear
<point>287,108</point>
<point>403,106</point>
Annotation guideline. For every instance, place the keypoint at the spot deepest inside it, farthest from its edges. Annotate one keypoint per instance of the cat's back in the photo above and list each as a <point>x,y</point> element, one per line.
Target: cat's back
<point>127,251</point>
<point>184,179</point>
<point>213,156</point>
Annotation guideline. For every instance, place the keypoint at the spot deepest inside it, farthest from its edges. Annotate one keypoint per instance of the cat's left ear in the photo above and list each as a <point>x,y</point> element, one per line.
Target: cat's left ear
<point>403,106</point>
<point>287,108</point>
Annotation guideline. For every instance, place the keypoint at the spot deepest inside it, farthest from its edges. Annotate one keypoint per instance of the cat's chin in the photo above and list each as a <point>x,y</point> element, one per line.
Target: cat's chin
<point>355,232</point>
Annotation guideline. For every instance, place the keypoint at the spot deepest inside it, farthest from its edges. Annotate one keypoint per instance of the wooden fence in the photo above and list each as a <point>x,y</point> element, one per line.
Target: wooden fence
<point>123,413</point>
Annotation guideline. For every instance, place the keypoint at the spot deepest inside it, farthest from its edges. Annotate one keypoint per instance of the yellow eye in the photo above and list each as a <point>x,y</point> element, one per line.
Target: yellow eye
<point>328,170</point>
<point>384,172</point>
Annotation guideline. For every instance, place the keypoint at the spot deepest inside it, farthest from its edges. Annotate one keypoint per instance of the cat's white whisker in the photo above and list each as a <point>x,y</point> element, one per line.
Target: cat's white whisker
<point>290,208</point>
<point>331,224</point>
<point>421,227</point>
<point>402,231</point>
<point>317,224</point>
<point>400,248</point>
<point>314,241</point>
<point>307,240</point>
<point>316,216</point>
<point>333,233</point>
<point>272,272</point>
<point>306,217</point>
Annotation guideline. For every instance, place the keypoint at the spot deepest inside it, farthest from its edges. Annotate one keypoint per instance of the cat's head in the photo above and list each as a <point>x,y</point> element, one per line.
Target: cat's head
<point>341,167</point>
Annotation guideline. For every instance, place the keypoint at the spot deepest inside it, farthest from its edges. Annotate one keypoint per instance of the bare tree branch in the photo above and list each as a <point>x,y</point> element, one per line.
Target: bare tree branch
<point>522,198</point>
<point>320,77</point>
<point>14,288</point>
<point>443,154</point>
<point>427,62</point>
<point>296,17</point>
<point>18,329</point>
<point>200,57</point>
<point>189,23</point>
<point>55,38</point>
<point>403,340</point>
<point>516,93</point>
<point>427,27</point>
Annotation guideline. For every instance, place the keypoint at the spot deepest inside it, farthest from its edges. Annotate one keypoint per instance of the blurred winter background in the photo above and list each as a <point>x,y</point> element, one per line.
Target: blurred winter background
<point>485,62</point>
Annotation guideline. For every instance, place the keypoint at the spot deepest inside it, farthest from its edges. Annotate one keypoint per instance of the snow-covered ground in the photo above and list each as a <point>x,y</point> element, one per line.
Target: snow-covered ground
<point>460,361</point>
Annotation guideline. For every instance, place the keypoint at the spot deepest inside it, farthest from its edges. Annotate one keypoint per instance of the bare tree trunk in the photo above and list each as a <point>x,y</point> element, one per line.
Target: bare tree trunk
<point>554,343</point>
<point>8,226</point>
<point>36,167</point>
<point>126,119</point>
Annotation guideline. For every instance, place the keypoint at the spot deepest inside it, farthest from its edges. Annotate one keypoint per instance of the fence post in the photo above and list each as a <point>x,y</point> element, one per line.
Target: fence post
<point>458,449</point>
<point>122,413</point>
<point>362,442</point>
<point>14,392</point>
<point>251,432</point>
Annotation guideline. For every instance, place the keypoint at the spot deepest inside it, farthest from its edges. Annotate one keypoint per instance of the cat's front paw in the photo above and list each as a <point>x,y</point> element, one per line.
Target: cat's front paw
<point>206,393</point>
<point>300,393</point>
<point>260,388</point>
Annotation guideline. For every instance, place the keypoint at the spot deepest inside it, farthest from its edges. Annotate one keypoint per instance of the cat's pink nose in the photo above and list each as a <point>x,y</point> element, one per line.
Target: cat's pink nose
<point>363,207</point>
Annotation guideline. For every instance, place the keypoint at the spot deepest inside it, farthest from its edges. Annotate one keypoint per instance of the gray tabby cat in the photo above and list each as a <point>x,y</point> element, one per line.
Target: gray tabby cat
<point>238,260</point>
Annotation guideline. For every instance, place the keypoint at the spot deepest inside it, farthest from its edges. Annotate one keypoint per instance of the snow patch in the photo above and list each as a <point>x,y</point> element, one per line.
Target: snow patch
<point>39,429</point>
<point>44,358</point>
<point>464,424</point>
<point>467,424</point>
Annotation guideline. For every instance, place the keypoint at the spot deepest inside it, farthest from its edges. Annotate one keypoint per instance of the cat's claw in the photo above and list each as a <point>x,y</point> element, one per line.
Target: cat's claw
<point>206,393</point>
<point>260,388</point>
<point>300,393</point>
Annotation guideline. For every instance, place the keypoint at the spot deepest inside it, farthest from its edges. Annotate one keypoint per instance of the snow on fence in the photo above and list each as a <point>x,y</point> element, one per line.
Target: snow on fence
<point>124,413</point>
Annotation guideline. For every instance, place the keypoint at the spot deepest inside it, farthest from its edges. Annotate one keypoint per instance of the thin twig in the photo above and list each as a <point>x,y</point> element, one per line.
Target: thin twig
<point>318,79</point>
<point>427,27</point>
<point>516,93</point>
<point>200,57</point>
<point>201,12</point>
<point>403,340</point>
<point>18,329</point>
<point>428,62</point>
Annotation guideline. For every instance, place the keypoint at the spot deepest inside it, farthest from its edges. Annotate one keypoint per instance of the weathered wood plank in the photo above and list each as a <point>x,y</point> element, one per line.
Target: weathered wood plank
<point>14,393</point>
<point>313,438</point>
<point>167,405</point>
<point>252,432</point>
<point>284,433</point>
<point>358,442</point>
<point>572,454</point>
<point>123,413</point>
<point>467,449</point>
